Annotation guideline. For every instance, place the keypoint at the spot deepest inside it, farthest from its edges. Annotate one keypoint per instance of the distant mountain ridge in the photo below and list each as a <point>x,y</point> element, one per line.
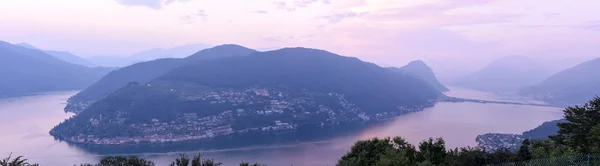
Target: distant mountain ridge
<point>148,55</point>
<point>571,86</point>
<point>144,72</point>
<point>62,55</point>
<point>421,70</point>
<point>505,75</point>
<point>25,71</point>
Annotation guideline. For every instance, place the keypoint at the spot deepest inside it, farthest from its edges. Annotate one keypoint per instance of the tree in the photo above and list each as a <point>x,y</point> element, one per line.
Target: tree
<point>393,157</point>
<point>181,161</point>
<point>594,139</point>
<point>433,151</point>
<point>248,164</point>
<point>524,152</point>
<point>196,161</point>
<point>575,133</point>
<point>467,157</point>
<point>18,161</point>
<point>84,164</point>
<point>124,161</point>
<point>549,149</point>
<point>501,155</point>
<point>408,149</point>
<point>210,162</point>
<point>366,153</point>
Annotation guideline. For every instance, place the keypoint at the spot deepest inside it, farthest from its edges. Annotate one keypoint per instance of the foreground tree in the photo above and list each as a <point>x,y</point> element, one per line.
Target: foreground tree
<point>125,161</point>
<point>396,151</point>
<point>577,132</point>
<point>248,164</point>
<point>183,160</point>
<point>524,152</point>
<point>433,151</point>
<point>18,161</point>
<point>121,161</point>
<point>366,152</point>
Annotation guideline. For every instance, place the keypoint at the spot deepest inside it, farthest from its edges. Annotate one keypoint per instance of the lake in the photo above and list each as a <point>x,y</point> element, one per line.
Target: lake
<point>25,122</point>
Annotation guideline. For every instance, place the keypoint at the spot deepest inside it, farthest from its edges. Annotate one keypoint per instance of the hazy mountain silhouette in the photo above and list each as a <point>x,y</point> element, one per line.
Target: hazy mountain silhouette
<point>146,71</point>
<point>148,55</point>
<point>575,85</point>
<point>62,55</point>
<point>27,45</point>
<point>27,71</point>
<point>69,57</point>
<point>422,71</point>
<point>505,75</point>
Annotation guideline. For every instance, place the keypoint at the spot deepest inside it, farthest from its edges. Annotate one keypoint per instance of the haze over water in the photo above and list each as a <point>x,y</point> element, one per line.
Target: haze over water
<point>25,122</point>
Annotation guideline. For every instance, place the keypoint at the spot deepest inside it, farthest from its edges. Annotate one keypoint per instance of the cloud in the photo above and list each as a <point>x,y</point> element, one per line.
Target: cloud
<point>309,36</point>
<point>593,25</point>
<point>446,13</point>
<point>260,12</point>
<point>191,18</point>
<point>305,3</point>
<point>337,17</point>
<point>283,5</point>
<point>271,39</point>
<point>280,39</point>
<point>154,4</point>
<point>551,15</point>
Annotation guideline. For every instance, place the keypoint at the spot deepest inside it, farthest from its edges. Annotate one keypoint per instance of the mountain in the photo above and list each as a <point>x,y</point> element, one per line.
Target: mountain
<point>27,45</point>
<point>422,71</point>
<point>62,55</point>
<point>144,72</point>
<point>543,131</point>
<point>148,55</point>
<point>27,71</point>
<point>505,75</point>
<point>175,52</point>
<point>575,85</point>
<point>69,57</point>
<point>279,90</point>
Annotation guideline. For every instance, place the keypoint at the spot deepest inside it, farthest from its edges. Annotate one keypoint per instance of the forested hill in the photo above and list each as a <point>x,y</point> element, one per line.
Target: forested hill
<point>311,70</point>
<point>571,86</point>
<point>26,71</point>
<point>283,88</point>
<point>146,71</point>
<point>422,71</point>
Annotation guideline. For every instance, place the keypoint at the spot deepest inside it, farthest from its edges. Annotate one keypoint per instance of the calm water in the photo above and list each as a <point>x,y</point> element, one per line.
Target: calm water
<point>25,122</point>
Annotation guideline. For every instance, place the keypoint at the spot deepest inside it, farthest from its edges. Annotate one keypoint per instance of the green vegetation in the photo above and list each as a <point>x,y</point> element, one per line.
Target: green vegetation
<point>17,161</point>
<point>577,135</point>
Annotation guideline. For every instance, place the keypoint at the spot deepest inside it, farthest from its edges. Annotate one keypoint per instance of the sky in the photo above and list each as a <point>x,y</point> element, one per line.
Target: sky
<point>449,35</point>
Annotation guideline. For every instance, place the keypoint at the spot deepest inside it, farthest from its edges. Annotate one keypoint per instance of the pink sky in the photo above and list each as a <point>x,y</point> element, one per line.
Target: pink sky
<point>445,33</point>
